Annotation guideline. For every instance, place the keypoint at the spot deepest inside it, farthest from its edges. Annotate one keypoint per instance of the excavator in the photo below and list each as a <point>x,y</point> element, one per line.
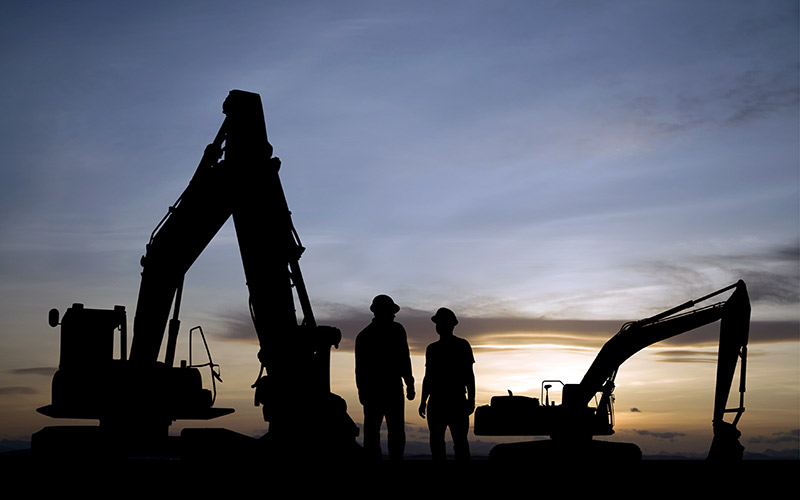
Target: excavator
<point>572,425</point>
<point>135,396</point>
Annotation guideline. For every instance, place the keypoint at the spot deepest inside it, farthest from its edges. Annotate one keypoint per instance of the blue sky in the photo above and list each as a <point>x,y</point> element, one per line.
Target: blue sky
<point>511,160</point>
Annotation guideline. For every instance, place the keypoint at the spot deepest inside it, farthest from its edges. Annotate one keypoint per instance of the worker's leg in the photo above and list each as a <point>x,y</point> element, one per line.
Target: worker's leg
<point>396,427</point>
<point>373,418</point>
<point>459,427</point>
<point>437,424</point>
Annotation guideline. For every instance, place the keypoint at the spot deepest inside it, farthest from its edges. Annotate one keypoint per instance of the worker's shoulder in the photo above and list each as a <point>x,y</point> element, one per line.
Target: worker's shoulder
<point>382,328</point>
<point>461,342</point>
<point>449,343</point>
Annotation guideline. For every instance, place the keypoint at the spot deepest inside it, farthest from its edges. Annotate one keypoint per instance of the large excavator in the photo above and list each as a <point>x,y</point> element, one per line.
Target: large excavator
<point>137,397</point>
<point>572,424</point>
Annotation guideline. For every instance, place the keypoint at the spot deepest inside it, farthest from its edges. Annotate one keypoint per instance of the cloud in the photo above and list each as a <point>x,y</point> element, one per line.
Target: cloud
<point>46,371</point>
<point>17,391</point>
<point>670,436</point>
<point>772,275</point>
<point>758,94</point>
<point>749,95</point>
<point>493,332</point>
<point>686,356</point>
<point>791,436</point>
<point>515,332</point>
<point>743,70</point>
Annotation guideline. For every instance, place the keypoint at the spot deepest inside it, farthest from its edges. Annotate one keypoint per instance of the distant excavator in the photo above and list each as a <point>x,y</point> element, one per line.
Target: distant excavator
<point>572,424</point>
<point>136,398</point>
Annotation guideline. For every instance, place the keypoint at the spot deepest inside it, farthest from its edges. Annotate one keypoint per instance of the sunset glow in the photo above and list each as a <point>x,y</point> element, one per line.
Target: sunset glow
<point>547,170</point>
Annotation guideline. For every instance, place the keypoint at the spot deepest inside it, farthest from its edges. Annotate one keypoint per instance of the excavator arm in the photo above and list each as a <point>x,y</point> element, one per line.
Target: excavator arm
<point>635,336</point>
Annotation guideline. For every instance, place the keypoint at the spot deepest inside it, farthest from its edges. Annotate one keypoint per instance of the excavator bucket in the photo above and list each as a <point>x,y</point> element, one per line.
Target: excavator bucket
<point>733,337</point>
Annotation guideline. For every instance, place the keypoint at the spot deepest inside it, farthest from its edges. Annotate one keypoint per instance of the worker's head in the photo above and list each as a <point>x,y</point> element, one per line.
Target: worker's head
<point>445,320</point>
<point>383,305</point>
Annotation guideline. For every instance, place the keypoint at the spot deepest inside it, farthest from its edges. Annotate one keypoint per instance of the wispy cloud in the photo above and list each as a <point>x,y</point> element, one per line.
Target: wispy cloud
<point>749,95</point>
<point>17,391</point>
<point>759,94</point>
<point>782,437</point>
<point>772,275</point>
<point>46,371</point>
<point>666,435</point>
<point>686,356</point>
<point>511,333</point>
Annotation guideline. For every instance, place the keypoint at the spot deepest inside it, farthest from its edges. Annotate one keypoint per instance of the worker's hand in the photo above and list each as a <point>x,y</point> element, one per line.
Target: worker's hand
<point>422,409</point>
<point>470,406</point>
<point>410,393</point>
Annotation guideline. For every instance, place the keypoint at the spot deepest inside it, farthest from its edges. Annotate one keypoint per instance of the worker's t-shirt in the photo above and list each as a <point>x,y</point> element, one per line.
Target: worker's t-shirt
<point>383,360</point>
<point>448,365</point>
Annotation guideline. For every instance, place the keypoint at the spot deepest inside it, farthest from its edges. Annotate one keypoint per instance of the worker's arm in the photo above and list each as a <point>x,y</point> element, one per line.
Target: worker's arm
<point>424,400</point>
<point>470,381</point>
<point>426,391</point>
<point>471,391</point>
<point>408,377</point>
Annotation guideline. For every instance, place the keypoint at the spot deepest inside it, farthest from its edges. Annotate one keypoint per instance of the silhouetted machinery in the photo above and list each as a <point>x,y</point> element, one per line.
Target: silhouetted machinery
<point>572,424</point>
<point>136,398</point>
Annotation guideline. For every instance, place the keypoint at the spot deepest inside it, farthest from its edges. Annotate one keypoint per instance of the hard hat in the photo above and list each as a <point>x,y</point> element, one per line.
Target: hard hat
<point>383,303</point>
<point>445,316</point>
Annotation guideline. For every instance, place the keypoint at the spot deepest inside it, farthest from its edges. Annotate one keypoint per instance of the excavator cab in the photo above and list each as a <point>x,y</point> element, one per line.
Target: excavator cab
<point>135,403</point>
<point>86,353</point>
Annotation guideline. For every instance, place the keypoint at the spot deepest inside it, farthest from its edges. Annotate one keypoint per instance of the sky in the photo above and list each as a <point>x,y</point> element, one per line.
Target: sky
<point>549,170</point>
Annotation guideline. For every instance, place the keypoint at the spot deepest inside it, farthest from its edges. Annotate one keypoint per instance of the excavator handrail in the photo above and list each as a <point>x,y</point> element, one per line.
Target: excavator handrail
<point>685,305</point>
<point>214,367</point>
<point>673,315</point>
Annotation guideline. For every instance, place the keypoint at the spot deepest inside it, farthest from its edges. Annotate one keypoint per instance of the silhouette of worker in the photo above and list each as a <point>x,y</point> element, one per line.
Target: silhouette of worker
<point>448,388</point>
<point>383,363</point>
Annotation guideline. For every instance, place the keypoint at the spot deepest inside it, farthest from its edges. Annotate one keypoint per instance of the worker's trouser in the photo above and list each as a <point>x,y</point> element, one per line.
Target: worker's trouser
<point>453,414</point>
<point>393,410</point>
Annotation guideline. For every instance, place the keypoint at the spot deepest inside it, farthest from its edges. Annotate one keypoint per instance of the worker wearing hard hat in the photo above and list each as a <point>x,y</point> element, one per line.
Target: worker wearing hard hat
<point>448,389</point>
<point>383,363</point>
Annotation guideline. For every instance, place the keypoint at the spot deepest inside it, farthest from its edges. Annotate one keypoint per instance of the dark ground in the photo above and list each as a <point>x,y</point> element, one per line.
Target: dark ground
<point>475,479</point>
